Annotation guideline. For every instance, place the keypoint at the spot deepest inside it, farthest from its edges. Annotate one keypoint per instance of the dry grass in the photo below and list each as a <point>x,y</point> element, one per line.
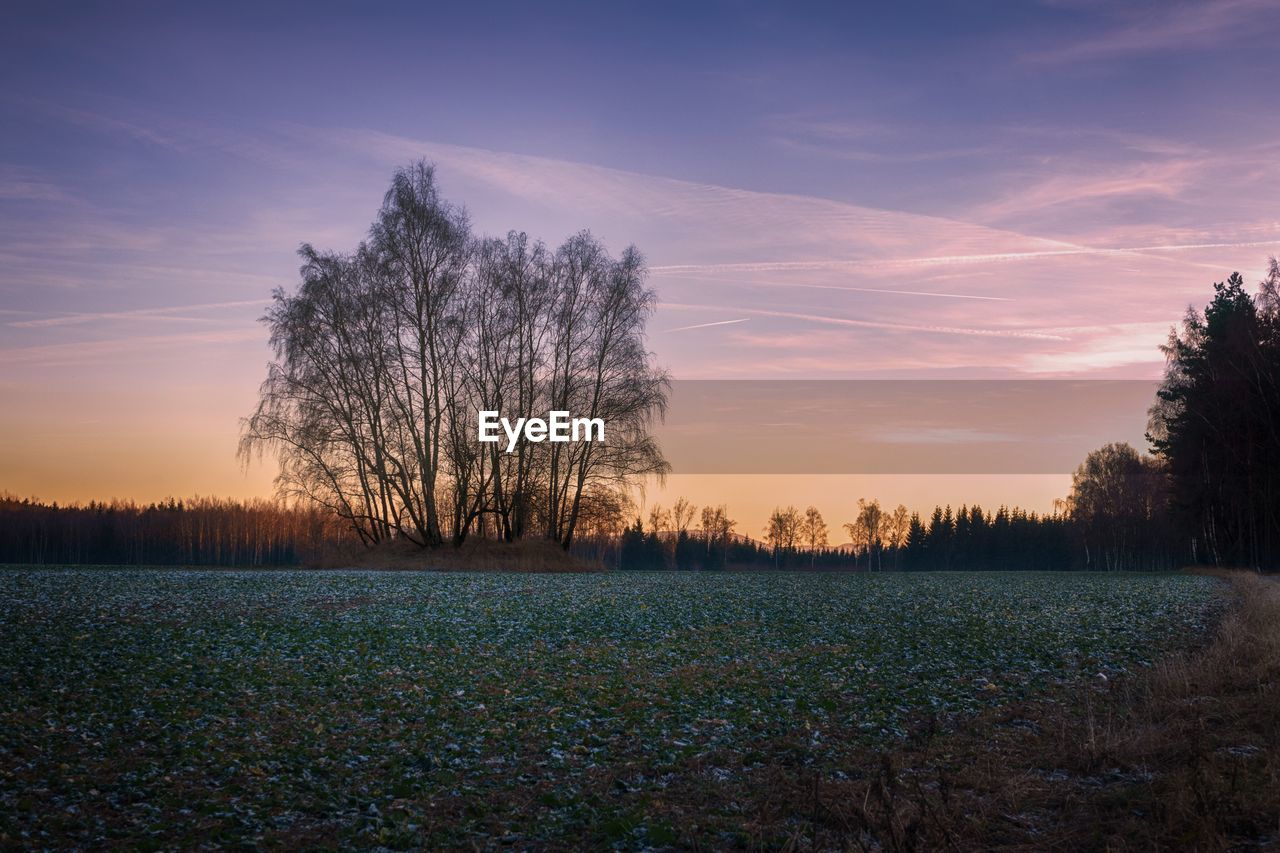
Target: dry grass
<point>1185,755</point>
<point>528,555</point>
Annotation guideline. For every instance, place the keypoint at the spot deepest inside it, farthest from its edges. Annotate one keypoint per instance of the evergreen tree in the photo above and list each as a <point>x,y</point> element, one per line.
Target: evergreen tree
<point>1216,423</point>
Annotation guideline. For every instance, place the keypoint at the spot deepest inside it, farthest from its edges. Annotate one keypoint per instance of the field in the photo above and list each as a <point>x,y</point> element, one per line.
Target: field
<point>169,708</point>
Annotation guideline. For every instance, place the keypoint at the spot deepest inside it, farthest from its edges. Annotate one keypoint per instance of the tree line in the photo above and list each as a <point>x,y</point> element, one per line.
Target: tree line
<point>384,357</point>
<point>192,532</point>
<point>968,538</point>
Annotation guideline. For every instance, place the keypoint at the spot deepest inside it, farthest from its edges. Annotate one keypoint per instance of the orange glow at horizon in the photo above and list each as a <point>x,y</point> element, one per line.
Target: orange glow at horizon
<point>146,427</point>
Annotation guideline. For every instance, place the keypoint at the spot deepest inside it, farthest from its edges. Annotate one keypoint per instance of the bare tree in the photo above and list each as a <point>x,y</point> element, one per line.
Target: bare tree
<point>717,527</point>
<point>384,357</point>
<point>659,519</point>
<point>897,527</point>
<point>783,531</point>
<point>813,532</point>
<point>682,513</point>
<point>867,530</point>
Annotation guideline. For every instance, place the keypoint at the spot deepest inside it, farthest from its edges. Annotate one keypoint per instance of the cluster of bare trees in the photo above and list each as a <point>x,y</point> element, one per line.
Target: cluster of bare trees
<point>875,530</point>
<point>671,541</point>
<point>385,356</point>
<point>791,537</point>
<point>1119,504</point>
<point>871,533</point>
<point>789,530</point>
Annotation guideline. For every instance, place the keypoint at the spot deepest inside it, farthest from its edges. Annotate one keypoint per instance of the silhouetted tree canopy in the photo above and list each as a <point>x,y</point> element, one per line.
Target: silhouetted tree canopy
<point>1216,423</point>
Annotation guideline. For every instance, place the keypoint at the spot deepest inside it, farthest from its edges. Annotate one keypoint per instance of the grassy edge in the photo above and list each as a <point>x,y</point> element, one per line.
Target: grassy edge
<point>1183,755</point>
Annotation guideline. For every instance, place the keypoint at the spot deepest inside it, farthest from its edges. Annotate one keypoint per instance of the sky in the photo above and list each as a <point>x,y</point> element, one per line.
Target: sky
<point>968,190</point>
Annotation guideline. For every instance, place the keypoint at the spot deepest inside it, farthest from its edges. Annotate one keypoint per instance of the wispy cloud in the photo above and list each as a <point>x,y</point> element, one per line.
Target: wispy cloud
<point>100,122</point>
<point>897,434</point>
<point>831,128</point>
<point>1099,349</point>
<point>704,218</point>
<point>783,261</point>
<point>183,137</point>
<point>1112,139</point>
<point>1165,179</point>
<point>837,150</point>
<point>22,184</point>
<point>864,140</point>
<point>1163,26</point>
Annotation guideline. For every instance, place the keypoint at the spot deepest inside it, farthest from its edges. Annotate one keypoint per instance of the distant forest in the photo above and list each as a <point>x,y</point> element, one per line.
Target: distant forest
<point>964,539</point>
<point>211,532</point>
<point>194,532</point>
<point>1113,520</point>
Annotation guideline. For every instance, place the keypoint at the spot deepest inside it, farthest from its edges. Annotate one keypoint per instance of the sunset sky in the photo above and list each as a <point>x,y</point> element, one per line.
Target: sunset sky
<point>920,190</point>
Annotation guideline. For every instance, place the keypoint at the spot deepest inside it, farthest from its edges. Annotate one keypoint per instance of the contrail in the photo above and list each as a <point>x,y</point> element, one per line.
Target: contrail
<point>706,325</point>
<point>76,319</point>
<point>906,292</point>
<point>876,324</point>
<point>1076,251</point>
<point>843,287</point>
<point>935,260</point>
<point>83,351</point>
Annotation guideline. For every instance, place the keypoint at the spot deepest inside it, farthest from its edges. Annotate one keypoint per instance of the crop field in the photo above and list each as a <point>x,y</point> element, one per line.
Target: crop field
<point>176,708</point>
